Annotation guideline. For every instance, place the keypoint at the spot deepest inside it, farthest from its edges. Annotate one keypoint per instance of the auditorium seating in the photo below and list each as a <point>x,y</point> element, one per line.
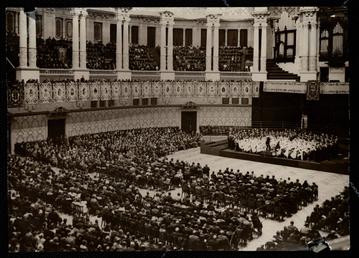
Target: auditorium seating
<point>100,56</point>
<point>332,218</point>
<point>52,53</point>
<point>189,58</point>
<point>144,58</point>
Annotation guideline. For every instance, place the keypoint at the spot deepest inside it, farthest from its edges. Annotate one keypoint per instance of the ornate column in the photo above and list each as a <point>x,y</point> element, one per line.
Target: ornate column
<point>264,49</point>
<point>32,39</point>
<point>163,46</point>
<point>79,55</point>
<point>313,46</point>
<point>213,22</point>
<point>255,48</point>
<point>75,40</point>
<point>209,48</point>
<point>308,51</point>
<point>298,39</point>
<point>225,37</point>
<point>23,39</point>
<point>260,15</point>
<point>83,60</point>
<point>215,48</point>
<point>119,43</point>
<point>24,71</point>
<point>170,47</point>
<point>122,45</point>
<point>167,20</point>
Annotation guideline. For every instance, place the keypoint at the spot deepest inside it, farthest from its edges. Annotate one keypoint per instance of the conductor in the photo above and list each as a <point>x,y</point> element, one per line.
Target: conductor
<point>268,144</point>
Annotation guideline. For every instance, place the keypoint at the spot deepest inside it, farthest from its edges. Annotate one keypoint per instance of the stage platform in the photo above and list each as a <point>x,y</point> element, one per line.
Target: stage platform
<point>220,148</point>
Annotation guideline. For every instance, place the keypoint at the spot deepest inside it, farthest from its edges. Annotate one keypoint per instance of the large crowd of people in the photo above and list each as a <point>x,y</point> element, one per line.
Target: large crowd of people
<point>53,53</point>
<point>144,58</point>
<point>100,56</point>
<point>288,143</point>
<point>189,58</point>
<point>332,218</point>
<point>234,59</point>
<point>129,186</point>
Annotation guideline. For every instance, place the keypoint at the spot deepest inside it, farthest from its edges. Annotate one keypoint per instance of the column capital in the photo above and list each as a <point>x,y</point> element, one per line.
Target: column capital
<point>83,13</point>
<point>75,12</point>
<point>213,19</point>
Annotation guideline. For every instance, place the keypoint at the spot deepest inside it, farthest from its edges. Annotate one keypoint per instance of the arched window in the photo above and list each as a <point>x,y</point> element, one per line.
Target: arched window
<point>69,29</point>
<point>324,42</point>
<point>10,22</point>
<point>338,40</point>
<point>59,28</point>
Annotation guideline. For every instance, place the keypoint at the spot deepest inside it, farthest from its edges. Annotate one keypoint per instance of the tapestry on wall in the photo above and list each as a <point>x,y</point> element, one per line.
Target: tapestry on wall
<point>313,90</point>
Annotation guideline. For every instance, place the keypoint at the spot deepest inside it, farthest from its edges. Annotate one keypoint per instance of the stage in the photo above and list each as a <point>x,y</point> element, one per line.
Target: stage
<point>220,148</point>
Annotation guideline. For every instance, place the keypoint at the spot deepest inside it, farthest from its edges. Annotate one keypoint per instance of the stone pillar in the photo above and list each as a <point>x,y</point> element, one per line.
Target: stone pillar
<point>260,15</point>
<point>304,50</point>
<point>184,36</point>
<point>209,48</point>
<point>308,51</point>
<point>83,60</point>
<point>75,41</point>
<point>255,48</point>
<point>24,71</point>
<point>313,47</point>
<point>212,74</point>
<point>298,38</point>
<point>32,39</point>
<point>163,47</point>
<point>264,49</point>
<point>239,37</point>
<point>167,73</point>
<point>23,39</point>
<point>225,37</point>
<point>170,48</point>
<point>79,45</point>
<point>215,48</point>
<point>122,45</point>
<point>125,45</point>
<point>119,44</point>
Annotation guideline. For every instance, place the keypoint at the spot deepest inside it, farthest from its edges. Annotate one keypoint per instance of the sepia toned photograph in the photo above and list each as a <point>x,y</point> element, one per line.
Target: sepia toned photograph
<point>177,129</point>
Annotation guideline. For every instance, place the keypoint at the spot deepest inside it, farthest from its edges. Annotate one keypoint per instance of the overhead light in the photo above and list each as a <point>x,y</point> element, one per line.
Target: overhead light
<point>332,16</point>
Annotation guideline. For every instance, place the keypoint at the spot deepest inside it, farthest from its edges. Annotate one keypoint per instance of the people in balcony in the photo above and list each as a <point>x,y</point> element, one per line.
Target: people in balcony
<point>143,58</point>
<point>100,56</point>
<point>52,53</point>
<point>189,58</point>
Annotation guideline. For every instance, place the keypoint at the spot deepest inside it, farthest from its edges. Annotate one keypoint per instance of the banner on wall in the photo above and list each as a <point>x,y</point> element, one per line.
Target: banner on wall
<point>200,88</point>
<point>31,93</point>
<point>313,90</point>
<point>157,89</point>
<point>105,91</point>
<point>72,91</point>
<point>45,89</point>
<point>116,90</point>
<point>84,91</point>
<point>189,88</point>
<point>284,87</point>
<point>126,90</point>
<point>178,88</point>
<point>212,88</point>
<point>59,91</point>
<point>95,91</point>
<point>136,89</point>
<point>255,87</point>
<point>146,89</point>
<point>223,88</point>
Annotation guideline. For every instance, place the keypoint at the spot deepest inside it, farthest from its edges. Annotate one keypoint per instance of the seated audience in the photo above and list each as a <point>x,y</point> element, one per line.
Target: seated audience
<point>100,56</point>
<point>144,58</point>
<point>52,53</point>
<point>189,58</point>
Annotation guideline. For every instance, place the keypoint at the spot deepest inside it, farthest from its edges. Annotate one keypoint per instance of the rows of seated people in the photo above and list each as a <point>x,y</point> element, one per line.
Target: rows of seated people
<point>144,58</point>
<point>235,58</point>
<point>100,56</point>
<point>12,48</point>
<point>204,219</point>
<point>189,58</point>
<point>52,53</point>
<point>129,221</point>
<point>331,218</point>
<point>288,143</point>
